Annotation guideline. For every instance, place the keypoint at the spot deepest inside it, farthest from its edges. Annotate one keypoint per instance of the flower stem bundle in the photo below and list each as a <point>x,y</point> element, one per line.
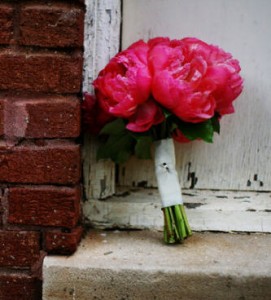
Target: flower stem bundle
<point>176,226</point>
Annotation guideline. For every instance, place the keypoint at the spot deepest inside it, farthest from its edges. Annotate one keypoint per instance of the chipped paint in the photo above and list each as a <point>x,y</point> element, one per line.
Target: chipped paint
<point>101,42</point>
<point>205,211</point>
<point>193,205</point>
<point>191,176</point>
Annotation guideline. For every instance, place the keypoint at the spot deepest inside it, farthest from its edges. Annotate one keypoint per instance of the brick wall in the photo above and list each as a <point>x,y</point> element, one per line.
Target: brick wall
<point>41,46</point>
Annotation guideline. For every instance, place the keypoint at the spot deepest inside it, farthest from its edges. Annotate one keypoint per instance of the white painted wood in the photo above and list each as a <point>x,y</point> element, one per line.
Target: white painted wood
<point>102,37</point>
<point>206,210</point>
<point>101,42</point>
<point>240,157</point>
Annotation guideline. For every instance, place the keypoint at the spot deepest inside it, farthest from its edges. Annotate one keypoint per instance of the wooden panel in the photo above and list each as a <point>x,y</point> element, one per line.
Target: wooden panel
<point>101,42</point>
<point>239,159</point>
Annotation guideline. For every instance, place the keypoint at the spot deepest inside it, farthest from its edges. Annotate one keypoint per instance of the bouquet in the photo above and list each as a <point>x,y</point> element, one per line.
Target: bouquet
<point>156,92</point>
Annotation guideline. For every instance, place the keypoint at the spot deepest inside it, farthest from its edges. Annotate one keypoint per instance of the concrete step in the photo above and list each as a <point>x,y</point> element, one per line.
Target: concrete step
<point>137,265</point>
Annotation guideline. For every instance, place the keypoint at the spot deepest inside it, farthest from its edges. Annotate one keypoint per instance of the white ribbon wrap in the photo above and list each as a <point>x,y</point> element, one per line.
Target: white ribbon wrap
<point>166,174</point>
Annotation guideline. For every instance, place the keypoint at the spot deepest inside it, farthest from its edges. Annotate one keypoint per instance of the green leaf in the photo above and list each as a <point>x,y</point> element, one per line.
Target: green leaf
<point>115,127</point>
<point>117,147</point>
<point>143,147</point>
<point>216,124</point>
<point>192,131</point>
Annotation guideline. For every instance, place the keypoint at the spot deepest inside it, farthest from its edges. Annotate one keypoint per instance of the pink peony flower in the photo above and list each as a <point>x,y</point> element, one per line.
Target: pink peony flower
<point>193,79</point>
<point>146,115</point>
<point>93,116</point>
<point>125,82</point>
<point>222,74</point>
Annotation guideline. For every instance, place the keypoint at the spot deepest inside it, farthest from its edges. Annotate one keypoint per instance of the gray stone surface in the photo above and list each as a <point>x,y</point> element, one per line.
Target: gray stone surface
<point>137,265</point>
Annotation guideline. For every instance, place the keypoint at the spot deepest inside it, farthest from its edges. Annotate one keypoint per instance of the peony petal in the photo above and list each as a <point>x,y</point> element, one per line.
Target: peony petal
<point>125,82</point>
<point>147,115</point>
<point>93,116</point>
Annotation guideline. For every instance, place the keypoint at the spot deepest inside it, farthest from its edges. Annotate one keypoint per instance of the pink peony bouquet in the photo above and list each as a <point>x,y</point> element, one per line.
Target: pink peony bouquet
<point>153,93</point>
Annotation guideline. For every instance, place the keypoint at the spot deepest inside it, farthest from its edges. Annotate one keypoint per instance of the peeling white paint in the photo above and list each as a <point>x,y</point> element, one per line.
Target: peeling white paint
<point>206,210</point>
<point>102,37</point>
<point>101,42</point>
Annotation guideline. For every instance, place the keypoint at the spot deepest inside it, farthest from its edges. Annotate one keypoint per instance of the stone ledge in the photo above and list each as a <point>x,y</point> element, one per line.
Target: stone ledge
<point>137,265</point>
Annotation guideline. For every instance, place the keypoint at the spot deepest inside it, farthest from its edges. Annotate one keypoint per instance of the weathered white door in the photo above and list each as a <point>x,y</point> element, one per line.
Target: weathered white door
<point>239,159</point>
<point>227,176</point>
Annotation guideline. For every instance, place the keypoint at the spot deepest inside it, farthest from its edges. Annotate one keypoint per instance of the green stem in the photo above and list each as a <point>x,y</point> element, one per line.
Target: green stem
<point>168,230</point>
<point>180,221</point>
<point>188,229</point>
<point>174,222</point>
<point>176,227</point>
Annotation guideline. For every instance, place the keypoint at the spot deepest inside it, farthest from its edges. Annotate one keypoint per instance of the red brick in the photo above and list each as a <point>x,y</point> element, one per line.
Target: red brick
<point>40,71</point>
<point>42,117</point>
<point>52,162</point>
<point>58,242</point>
<point>19,286</point>
<point>19,249</point>
<point>6,23</point>
<point>1,205</point>
<point>2,109</point>
<point>44,205</point>
<point>58,25</point>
